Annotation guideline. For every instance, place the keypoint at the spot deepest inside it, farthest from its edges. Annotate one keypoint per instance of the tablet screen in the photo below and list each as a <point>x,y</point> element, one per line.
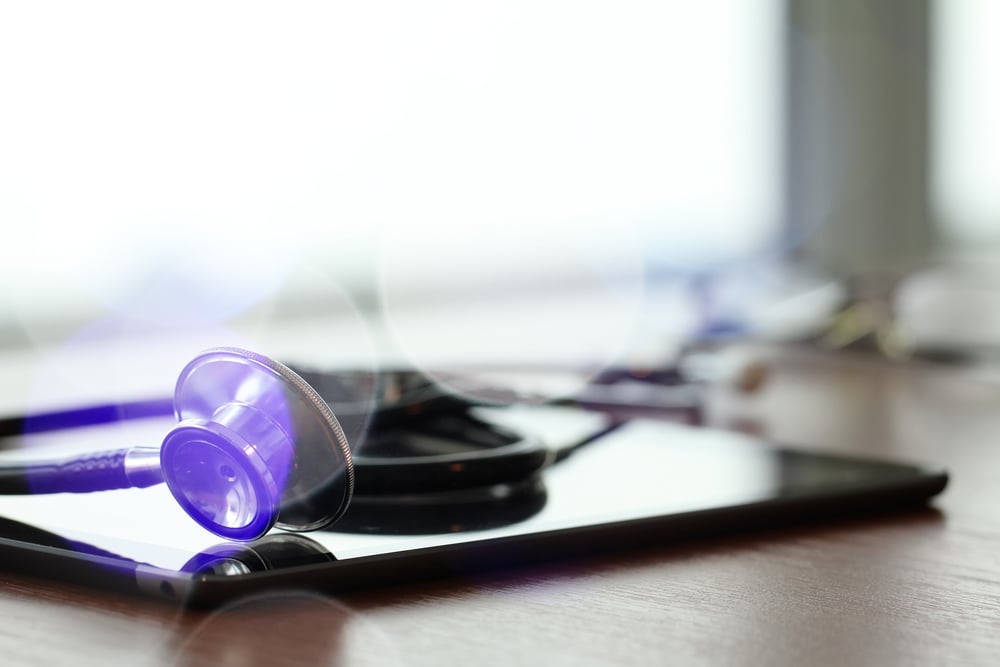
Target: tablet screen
<point>640,470</point>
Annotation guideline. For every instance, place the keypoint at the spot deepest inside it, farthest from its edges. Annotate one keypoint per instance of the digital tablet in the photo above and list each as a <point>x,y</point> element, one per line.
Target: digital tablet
<point>635,483</point>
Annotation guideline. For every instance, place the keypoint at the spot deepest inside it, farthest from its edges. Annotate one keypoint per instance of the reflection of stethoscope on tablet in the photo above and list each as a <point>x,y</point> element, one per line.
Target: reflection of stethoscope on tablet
<point>256,446</point>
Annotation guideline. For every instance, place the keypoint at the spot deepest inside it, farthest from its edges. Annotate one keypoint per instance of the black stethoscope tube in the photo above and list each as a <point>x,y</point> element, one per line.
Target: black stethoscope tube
<point>91,415</point>
<point>516,459</point>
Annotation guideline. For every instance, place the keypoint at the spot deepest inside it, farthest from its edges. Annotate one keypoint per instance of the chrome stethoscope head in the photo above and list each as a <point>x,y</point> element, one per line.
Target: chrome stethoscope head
<point>255,447</point>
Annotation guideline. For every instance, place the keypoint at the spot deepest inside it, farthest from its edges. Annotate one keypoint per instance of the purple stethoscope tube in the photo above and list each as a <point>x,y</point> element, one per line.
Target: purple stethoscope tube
<point>254,447</point>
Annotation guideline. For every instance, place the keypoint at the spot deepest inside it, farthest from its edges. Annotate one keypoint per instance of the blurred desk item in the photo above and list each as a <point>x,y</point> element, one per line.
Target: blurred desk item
<point>951,310</point>
<point>920,588</point>
<point>948,311</point>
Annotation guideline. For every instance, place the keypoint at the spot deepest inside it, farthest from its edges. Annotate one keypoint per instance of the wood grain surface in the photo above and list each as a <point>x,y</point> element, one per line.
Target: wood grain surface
<point>917,588</point>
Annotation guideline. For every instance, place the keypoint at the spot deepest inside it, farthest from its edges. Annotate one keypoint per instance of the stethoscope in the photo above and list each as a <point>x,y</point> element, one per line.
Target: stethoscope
<point>255,447</point>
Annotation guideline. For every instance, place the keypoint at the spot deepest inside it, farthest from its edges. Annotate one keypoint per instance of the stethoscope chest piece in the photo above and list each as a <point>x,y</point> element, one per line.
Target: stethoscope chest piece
<point>254,447</point>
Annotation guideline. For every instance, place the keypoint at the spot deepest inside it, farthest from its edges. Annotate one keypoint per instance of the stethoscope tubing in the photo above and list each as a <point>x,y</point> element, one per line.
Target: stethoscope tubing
<point>89,415</point>
<point>376,475</point>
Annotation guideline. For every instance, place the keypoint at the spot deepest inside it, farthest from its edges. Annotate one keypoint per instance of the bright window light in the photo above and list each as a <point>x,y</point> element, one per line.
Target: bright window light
<point>202,148</point>
<point>966,177</point>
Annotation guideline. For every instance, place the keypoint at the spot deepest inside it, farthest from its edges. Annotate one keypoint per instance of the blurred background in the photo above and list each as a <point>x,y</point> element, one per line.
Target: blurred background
<point>544,181</point>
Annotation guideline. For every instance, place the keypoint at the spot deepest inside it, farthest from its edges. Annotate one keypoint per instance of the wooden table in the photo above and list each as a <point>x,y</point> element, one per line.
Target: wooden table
<point>923,587</point>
